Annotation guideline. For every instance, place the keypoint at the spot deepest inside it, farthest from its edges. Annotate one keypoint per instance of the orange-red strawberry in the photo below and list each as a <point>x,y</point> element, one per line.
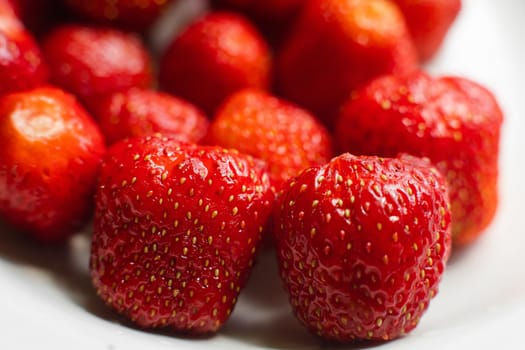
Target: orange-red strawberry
<point>21,63</point>
<point>337,46</point>
<point>176,231</point>
<point>93,62</point>
<point>287,137</point>
<point>140,112</point>
<point>128,14</point>
<point>48,162</point>
<point>362,244</point>
<point>213,58</point>
<point>453,121</point>
<point>428,22</point>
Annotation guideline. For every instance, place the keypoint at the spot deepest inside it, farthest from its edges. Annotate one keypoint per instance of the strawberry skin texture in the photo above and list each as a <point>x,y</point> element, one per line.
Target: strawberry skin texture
<point>362,243</point>
<point>287,138</point>
<point>177,228</point>
<point>21,66</point>
<point>429,22</point>
<point>140,112</point>
<point>339,45</point>
<point>213,58</point>
<point>127,14</point>
<point>92,62</point>
<point>49,158</point>
<point>453,121</point>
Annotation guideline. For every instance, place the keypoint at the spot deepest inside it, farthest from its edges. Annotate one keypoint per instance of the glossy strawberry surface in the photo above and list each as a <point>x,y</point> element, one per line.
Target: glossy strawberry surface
<point>362,243</point>
<point>287,137</point>
<point>92,62</point>
<point>453,121</point>
<point>177,228</point>
<point>140,112</point>
<point>214,57</point>
<point>48,162</point>
<point>339,45</point>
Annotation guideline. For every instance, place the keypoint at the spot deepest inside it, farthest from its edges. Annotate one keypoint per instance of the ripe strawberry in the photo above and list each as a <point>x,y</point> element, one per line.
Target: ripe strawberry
<point>128,14</point>
<point>362,243</point>
<point>287,137</point>
<point>454,122</point>
<point>428,22</point>
<point>139,112</point>
<point>176,231</point>
<point>21,62</point>
<point>48,162</point>
<point>337,46</point>
<point>213,58</point>
<point>93,62</point>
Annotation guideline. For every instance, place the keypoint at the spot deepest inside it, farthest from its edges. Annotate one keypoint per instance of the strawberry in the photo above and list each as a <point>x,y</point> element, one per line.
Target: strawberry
<point>213,58</point>
<point>93,62</point>
<point>21,62</point>
<point>48,162</point>
<point>287,137</point>
<point>128,14</point>
<point>339,45</point>
<point>176,231</point>
<point>428,22</point>
<point>362,243</point>
<point>139,112</point>
<point>453,121</point>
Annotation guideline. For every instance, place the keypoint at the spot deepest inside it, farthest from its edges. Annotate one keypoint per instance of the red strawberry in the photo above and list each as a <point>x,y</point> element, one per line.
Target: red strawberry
<point>213,58</point>
<point>337,46</point>
<point>21,62</point>
<point>176,231</point>
<point>128,14</point>
<point>454,122</point>
<point>48,162</point>
<point>93,62</point>
<point>429,22</point>
<point>362,243</point>
<point>139,112</point>
<point>287,137</point>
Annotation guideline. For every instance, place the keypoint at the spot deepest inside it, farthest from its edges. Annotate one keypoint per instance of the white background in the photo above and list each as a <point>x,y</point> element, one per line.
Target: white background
<point>47,302</point>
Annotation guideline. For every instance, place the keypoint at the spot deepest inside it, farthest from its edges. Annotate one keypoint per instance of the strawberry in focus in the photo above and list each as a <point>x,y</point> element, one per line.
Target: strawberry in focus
<point>286,137</point>
<point>339,45</point>
<point>93,62</point>
<point>176,231</point>
<point>48,162</point>
<point>362,244</point>
<point>140,112</point>
<point>429,22</point>
<point>453,121</point>
<point>214,57</point>
<point>127,14</point>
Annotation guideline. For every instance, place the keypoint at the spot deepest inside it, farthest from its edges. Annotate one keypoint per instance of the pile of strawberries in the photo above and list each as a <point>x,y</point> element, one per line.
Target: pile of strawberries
<point>311,130</point>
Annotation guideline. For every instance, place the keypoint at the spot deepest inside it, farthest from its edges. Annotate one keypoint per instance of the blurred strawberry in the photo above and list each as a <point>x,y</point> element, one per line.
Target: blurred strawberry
<point>213,58</point>
<point>48,162</point>
<point>337,46</point>
<point>287,137</point>
<point>453,121</point>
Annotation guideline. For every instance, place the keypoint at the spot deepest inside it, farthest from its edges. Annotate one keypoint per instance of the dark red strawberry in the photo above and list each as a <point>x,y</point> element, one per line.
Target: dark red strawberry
<point>128,14</point>
<point>453,121</point>
<point>429,22</point>
<point>93,62</point>
<point>337,46</point>
<point>140,112</point>
<point>362,243</point>
<point>21,63</point>
<point>287,137</point>
<point>214,57</point>
<point>48,162</point>
<point>176,231</point>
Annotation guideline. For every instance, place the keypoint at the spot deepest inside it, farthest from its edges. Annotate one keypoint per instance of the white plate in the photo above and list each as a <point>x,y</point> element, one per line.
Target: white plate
<point>46,299</point>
